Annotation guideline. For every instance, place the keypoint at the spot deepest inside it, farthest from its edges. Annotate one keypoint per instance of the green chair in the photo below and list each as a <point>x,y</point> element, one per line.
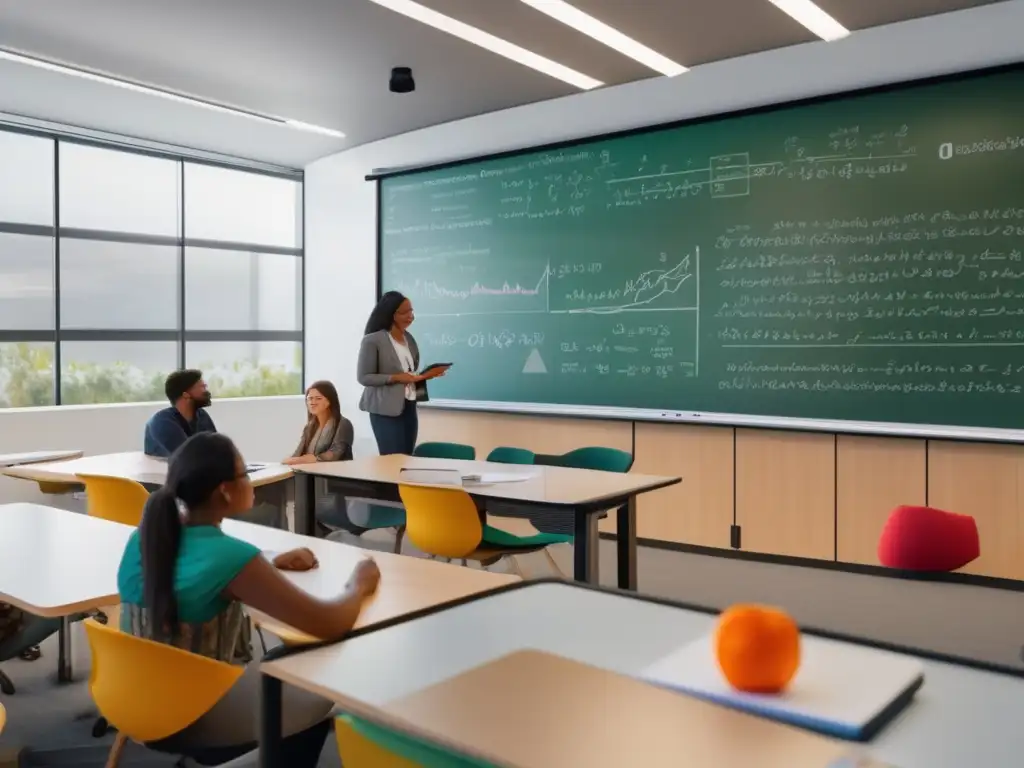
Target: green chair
<point>507,455</point>
<point>596,458</point>
<point>445,451</point>
<point>362,744</point>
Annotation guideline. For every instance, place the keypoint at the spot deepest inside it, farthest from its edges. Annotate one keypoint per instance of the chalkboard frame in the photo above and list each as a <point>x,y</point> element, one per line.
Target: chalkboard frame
<point>751,421</point>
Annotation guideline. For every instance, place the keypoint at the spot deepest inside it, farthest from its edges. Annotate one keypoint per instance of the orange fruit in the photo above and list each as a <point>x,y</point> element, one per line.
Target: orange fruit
<point>757,648</point>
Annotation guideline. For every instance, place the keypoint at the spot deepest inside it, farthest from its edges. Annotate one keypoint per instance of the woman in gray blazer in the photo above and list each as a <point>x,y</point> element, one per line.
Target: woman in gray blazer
<point>388,361</point>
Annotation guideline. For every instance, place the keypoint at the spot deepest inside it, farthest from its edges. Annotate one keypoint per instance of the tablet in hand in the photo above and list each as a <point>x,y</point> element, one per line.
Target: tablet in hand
<point>432,366</point>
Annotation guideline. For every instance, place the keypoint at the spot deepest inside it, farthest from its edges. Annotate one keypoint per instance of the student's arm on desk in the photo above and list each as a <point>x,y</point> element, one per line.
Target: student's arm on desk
<point>262,587</point>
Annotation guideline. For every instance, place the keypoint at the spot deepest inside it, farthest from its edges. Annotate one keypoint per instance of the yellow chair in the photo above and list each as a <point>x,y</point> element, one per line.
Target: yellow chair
<point>114,498</point>
<point>444,521</point>
<point>3,718</point>
<point>357,751</point>
<point>150,691</point>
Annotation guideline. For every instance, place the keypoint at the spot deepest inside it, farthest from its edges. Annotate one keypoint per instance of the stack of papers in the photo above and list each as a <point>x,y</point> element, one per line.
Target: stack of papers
<point>429,476</point>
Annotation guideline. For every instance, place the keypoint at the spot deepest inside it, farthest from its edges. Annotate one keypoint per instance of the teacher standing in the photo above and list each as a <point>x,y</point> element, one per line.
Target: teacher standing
<point>388,361</point>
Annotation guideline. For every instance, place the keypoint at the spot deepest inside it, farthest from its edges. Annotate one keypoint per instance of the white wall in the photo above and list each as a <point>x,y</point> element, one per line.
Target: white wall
<point>264,428</point>
<point>341,206</point>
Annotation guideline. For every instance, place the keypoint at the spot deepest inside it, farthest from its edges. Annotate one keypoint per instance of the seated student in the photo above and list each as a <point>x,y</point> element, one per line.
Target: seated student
<point>166,430</point>
<point>327,436</point>
<point>169,428</point>
<point>183,582</point>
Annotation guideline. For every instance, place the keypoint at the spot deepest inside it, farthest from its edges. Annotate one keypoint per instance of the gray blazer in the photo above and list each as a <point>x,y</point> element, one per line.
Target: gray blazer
<point>378,361</point>
<point>334,443</point>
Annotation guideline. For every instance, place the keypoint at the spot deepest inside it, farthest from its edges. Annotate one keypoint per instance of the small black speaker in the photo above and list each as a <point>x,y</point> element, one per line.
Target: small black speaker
<point>401,80</point>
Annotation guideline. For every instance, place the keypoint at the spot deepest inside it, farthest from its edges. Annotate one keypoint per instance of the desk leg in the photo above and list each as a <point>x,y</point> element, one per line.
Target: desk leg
<point>270,722</point>
<point>64,670</point>
<point>625,533</point>
<point>305,504</point>
<point>585,548</point>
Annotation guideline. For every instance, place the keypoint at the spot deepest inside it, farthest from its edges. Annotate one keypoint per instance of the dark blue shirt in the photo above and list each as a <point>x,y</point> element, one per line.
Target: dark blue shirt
<point>166,430</point>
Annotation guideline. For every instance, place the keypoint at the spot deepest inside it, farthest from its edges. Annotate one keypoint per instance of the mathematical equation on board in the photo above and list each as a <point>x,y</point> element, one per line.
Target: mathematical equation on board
<point>631,350</point>
<point>573,183</point>
<point>910,379</point>
<point>944,278</point>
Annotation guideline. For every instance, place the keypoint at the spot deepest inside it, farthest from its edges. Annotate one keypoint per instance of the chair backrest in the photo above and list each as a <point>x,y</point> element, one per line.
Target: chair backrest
<point>114,498</point>
<point>445,451</point>
<point>599,458</point>
<point>366,745</point>
<point>149,690</point>
<point>440,520</point>
<point>509,455</point>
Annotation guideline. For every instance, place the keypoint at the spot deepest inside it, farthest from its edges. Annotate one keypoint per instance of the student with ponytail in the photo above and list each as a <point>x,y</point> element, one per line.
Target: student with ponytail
<point>183,581</point>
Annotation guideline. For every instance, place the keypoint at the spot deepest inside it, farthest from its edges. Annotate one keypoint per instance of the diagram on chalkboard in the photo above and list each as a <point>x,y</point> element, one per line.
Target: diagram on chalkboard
<point>535,363</point>
<point>671,285</point>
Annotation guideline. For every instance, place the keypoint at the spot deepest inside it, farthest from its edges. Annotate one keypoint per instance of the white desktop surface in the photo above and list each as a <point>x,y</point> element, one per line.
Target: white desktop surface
<point>961,718</point>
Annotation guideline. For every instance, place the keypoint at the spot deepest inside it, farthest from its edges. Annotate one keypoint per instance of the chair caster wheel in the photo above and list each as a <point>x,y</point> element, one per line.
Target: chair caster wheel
<point>100,728</point>
<point>6,686</point>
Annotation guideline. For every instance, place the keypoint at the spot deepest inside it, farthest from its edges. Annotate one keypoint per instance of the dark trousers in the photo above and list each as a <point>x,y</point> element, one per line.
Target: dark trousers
<point>396,434</point>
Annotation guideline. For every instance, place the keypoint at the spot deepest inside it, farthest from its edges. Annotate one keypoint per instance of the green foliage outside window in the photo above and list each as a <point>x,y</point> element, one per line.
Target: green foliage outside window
<point>26,379</point>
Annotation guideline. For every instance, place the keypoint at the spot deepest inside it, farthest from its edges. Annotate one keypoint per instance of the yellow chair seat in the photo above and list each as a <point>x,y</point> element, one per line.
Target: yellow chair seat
<point>149,690</point>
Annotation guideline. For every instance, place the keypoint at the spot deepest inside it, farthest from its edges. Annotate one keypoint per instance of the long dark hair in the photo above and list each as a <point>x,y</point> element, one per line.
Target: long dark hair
<point>328,390</point>
<point>383,315</point>
<point>196,470</point>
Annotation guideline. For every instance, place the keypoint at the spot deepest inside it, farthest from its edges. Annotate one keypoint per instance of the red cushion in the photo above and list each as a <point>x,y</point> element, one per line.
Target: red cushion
<point>927,539</point>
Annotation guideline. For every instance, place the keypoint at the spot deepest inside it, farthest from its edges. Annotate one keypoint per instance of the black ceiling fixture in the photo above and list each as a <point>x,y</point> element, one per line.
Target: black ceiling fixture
<point>401,80</point>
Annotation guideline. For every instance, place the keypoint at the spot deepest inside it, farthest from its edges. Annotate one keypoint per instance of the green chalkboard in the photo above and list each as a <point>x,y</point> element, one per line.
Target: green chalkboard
<point>852,259</point>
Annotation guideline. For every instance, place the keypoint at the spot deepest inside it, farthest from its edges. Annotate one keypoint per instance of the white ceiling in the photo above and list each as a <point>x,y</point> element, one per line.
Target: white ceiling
<point>327,61</point>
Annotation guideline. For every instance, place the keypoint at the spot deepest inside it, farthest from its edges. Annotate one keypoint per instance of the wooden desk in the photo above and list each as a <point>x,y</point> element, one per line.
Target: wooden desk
<point>55,563</point>
<point>408,584</point>
<point>626,721</point>
<point>584,493</point>
<point>33,457</point>
<point>133,465</point>
<point>961,717</point>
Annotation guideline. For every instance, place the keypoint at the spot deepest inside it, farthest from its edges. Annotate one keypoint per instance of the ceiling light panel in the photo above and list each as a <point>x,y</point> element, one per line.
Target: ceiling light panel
<point>32,61</point>
<point>573,17</point>
<point>489,42</point>
<point>812,17</point>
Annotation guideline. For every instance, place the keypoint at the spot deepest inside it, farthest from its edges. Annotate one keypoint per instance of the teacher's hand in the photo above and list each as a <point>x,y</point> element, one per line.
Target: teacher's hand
<point>406,378</point>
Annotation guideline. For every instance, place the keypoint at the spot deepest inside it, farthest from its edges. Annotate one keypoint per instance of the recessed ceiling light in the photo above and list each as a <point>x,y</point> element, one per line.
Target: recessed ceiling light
<point>32,61</point>
<point>573,17</point>
<point>488,41</point>
<point>812,17</point>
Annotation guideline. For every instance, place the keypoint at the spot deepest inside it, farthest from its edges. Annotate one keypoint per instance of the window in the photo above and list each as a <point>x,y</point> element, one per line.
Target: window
<point>26,179</point>
<point>266,290</point>
<point>103,189</point>
<point>118,285</point>
<point>117,267</point>
<point>26,282</point>
<point>235,206</point>
<point>26,374</point>
<point>248,369</point>
<point>115,371</point>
